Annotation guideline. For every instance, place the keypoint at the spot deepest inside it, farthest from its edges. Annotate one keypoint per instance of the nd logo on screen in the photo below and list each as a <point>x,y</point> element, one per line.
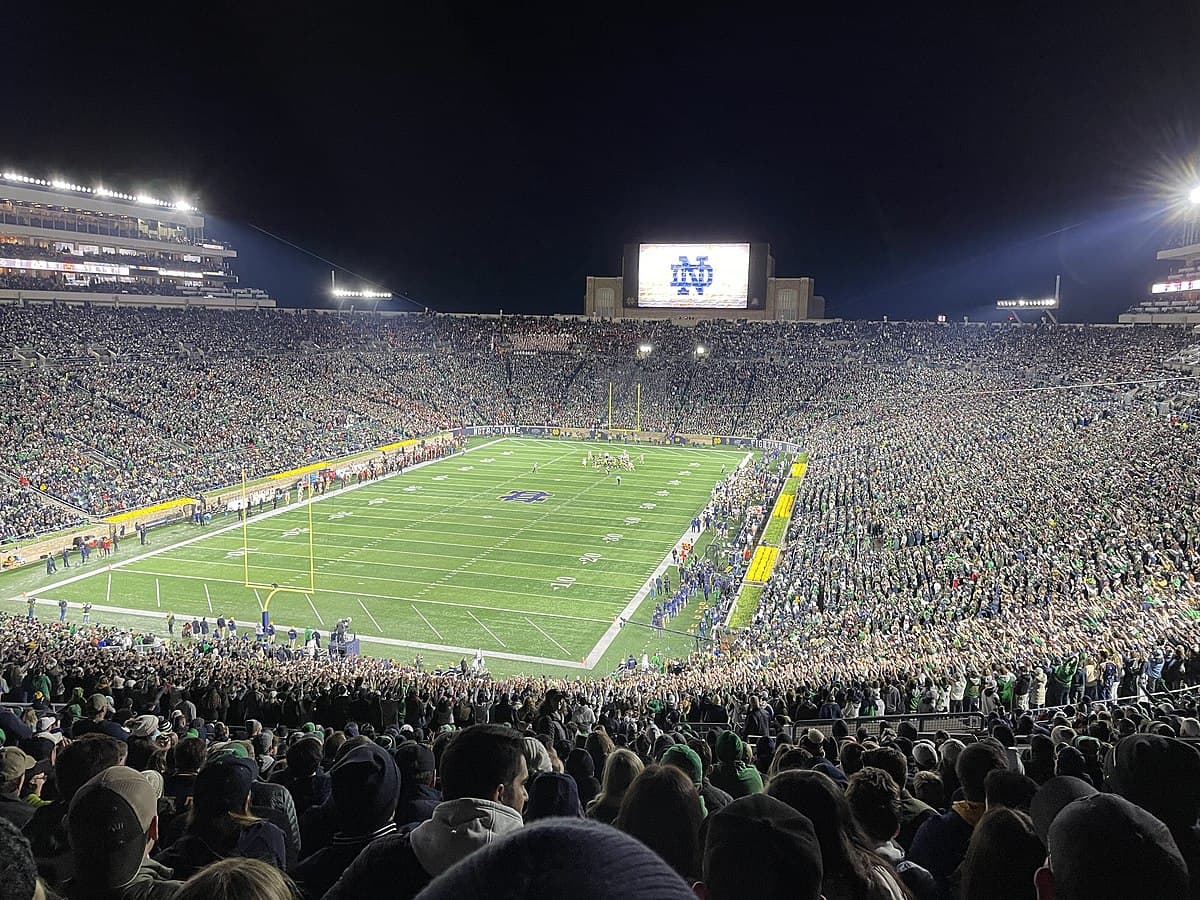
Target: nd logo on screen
<point>691,276</point>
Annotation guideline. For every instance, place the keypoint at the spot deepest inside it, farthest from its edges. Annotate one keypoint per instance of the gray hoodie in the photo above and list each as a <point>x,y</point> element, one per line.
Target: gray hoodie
<point>458,828</point>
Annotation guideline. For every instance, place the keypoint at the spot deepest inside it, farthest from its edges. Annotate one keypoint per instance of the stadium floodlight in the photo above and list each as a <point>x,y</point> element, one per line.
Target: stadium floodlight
<point>1194,195</point>
<point>365,294</point>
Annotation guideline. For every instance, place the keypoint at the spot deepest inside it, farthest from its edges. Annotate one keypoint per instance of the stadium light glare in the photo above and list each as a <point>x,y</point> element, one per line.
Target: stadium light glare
<point>644,348</point>
<point>700,351</point>
<point>1194,195</point>
<point>365,294</point>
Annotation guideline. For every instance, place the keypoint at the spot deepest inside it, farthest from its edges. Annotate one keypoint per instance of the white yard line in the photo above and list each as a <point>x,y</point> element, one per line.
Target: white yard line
<point>427,622</point>
<point>394,597</point>
<point>208,598</point>
<point>371,617</point>
<point>610,635</point>
<point>547,637</point>
<point>485,628</point>
<point>328,495</point>
<point>314,609</point>
<point>389,642</point>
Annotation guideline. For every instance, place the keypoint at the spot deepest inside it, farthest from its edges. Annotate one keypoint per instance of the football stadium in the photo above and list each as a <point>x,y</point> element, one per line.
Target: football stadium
<point>608,558</point>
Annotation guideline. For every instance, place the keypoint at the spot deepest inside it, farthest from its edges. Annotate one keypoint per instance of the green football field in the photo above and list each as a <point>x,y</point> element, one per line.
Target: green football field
<point>477,551</point>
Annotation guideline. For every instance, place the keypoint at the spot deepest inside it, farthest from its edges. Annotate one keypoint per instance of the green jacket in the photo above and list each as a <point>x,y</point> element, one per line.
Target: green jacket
<point>736,779</point>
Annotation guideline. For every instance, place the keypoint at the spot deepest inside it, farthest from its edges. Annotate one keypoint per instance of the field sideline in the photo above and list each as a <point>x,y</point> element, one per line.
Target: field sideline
<point>475,551</point>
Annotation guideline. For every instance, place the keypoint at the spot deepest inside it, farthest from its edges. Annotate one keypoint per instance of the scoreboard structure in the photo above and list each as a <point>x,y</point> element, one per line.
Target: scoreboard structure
<point>717,279</point>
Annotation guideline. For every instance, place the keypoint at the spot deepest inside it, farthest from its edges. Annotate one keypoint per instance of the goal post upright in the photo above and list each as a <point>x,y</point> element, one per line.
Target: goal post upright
<point>275,588</point>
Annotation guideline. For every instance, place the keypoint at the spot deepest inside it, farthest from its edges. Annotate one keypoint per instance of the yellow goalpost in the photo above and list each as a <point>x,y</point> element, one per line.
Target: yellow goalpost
<point>274,588</point>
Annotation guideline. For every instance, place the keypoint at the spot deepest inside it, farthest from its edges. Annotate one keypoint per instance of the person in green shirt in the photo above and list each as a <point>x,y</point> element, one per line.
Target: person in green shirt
<point>731,773</point>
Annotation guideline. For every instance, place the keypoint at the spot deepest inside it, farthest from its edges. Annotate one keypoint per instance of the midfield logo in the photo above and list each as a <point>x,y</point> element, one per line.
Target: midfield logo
<point>689,276</point>
<point>526,496</point>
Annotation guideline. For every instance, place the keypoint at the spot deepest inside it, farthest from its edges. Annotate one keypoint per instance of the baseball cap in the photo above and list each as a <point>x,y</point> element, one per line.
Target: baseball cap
<point>760,834</point>
<point>223,783</point>
<point>14,762</point>
<point>107,823</point>
<point>97,702</point>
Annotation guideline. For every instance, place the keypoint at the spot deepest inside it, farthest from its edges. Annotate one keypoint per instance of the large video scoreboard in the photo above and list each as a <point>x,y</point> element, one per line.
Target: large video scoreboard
<point>696,276</point>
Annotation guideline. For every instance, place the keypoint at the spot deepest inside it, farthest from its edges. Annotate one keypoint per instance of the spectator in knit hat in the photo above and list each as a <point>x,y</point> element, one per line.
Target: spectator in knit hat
<point>1162,776</point>
<point>579,765</point>
<point>731,773</point>
<point>418,796</point>
<point>113,824</point>
<point>760,840</point>
<point>1103,847</point>
<point>913,812</point>
<point>553,794</point>
<point>220,823</point>
<point>366,788</point>
<point>1002,858</point>
<point>483,775</point>
<point>238,878</point>
<point>941,843</point>
<point>562,858</point>
<point>15,764</point>
<point>662,810</point>
<point>18,871</point>
<point>687,761</point>
<point>874,802</point>
<point>620,769</point>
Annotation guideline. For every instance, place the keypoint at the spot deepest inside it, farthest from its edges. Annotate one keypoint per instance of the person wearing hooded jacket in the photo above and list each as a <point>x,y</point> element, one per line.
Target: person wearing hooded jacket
<point>483,774</point>
<point>366,789</point>
<point>731,773</point>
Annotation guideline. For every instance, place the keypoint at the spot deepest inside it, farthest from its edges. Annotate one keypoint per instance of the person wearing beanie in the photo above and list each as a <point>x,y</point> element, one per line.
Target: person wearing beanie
<point>760,838</point>
<point>688,761</point>
<point>579,859</point>
<point>941,843</point>
<point>1162,776</point>
<point>418,796</point>
<point>112,824</point>
<point>1103,847</point>
<point>483,774</point>
<point>18,870</point>
<point>220,823</point>
<point>552,794</point>
<point>366,788</point>
<point>579,765</point>
<point>731,773</point>
<point>925,756</point>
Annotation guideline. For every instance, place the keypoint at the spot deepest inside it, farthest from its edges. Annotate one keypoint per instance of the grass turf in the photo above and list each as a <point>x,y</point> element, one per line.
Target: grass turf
<point>437,557</point>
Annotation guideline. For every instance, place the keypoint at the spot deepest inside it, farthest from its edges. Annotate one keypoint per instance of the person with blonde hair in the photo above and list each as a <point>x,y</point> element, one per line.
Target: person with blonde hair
<point>620,769</point>
<point>238,878</point>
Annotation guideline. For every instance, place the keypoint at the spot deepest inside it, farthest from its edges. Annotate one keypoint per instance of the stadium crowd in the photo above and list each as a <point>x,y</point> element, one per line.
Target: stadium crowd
<point>997,523</point>
<point>139,770</point>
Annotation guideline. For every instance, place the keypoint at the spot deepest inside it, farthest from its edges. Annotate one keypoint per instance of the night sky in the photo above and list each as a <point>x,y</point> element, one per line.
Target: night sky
<point>913,161</point>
